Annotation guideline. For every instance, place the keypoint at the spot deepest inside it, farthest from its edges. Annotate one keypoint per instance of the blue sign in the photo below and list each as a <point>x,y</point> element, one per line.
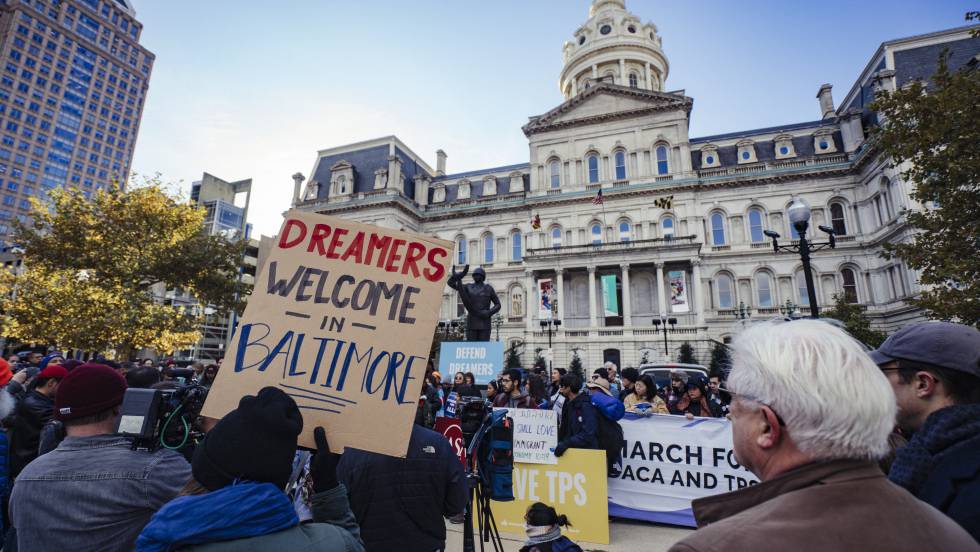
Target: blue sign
<point>484,358</point>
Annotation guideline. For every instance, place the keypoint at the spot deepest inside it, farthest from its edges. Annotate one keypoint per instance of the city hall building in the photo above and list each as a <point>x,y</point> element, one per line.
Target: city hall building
<point>678,233</point>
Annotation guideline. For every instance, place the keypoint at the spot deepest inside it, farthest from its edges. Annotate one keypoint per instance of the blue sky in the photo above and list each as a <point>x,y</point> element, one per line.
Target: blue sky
<point>249,89</point>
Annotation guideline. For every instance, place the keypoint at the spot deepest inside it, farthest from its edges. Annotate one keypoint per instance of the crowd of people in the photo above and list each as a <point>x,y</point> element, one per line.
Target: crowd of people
<point>854,450</point>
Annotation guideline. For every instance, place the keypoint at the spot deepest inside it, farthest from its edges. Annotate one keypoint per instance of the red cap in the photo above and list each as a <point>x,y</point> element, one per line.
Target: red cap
<point>88,389</point>
<point>55,371</point>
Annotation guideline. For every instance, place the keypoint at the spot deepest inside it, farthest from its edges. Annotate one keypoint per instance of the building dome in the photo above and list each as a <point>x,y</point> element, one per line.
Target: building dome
<point>613,46</point>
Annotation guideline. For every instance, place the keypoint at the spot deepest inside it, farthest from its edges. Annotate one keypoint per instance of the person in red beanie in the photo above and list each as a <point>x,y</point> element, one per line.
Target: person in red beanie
<point>93,492</point>
<point>30,416</point>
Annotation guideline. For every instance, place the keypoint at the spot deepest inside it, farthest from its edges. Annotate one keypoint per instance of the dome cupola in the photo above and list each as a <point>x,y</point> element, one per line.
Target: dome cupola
<point>613,46</point>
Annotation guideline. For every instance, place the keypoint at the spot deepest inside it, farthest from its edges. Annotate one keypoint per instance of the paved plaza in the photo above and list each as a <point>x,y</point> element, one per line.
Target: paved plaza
<point>624,535</point>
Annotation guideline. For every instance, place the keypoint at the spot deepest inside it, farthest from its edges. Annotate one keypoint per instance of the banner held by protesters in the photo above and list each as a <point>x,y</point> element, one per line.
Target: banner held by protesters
<point>341,319</point>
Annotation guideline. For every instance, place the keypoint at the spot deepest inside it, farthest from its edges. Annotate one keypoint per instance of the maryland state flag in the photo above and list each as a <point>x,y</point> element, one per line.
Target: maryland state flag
<point>664,202</point>
<point>536,222</point>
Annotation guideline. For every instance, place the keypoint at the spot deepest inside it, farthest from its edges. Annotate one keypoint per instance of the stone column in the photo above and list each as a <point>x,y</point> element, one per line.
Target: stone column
<point>696,288</point>
<point>595,72</point>
<point>560,282</point>
<point>592,303</point>
<point>661,296</point>
<point>623,81</point>
<point>649,81</point>
<point>529,299</point>
<point>627,304</point>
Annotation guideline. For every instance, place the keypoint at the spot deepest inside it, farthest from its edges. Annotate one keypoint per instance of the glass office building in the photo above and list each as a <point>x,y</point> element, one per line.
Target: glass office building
<point>72,87</point>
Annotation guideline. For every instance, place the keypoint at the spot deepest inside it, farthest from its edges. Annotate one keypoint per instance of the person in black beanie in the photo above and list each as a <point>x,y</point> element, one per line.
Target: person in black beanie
<point>235,500</point>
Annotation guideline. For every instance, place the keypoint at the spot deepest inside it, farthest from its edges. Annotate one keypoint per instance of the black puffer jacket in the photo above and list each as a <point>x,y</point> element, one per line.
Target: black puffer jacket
<point>25,429</point>
<point>400,502</point>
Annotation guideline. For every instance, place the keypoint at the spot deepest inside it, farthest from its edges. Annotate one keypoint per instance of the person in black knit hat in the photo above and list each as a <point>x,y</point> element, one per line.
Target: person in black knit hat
<point>235,500</point>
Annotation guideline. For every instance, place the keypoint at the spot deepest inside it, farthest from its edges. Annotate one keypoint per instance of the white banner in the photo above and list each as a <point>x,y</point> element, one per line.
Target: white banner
<point>535,435</point>
<point>678,291</point>
<point>668,461</point>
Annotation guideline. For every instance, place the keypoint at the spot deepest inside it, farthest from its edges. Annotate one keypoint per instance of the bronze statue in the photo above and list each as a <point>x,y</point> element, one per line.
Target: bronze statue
<point>479,300</point>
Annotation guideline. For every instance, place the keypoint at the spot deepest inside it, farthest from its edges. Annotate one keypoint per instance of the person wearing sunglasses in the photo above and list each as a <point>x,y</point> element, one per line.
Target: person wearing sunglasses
<point>810,415</point>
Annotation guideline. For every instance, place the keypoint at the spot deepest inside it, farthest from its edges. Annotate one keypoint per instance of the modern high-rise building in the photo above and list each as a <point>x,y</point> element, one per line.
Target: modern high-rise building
<point>72,88</point>
<point>227,215</point>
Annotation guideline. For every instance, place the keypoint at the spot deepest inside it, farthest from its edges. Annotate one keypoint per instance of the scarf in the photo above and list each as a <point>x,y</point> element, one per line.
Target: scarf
<point>945,430</point>
<point>540,534</point>
<point>233,512</point>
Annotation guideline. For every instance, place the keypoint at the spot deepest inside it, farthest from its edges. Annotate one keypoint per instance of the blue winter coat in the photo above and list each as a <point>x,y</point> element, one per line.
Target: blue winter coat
<point>607,405</point>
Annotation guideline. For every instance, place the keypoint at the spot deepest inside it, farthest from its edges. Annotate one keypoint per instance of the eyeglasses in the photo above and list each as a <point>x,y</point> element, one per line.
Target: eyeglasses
<point>504,380</point>
<point>755,400</point>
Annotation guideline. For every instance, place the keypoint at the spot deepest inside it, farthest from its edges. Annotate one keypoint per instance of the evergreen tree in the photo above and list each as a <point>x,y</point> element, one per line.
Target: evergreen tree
<point>932,133</point>
<point>540,364</point>
<point>855,321</point>
<point>576,367</point>
<point>721,360</point>
<point>513,359</point>
<point>686,354</point>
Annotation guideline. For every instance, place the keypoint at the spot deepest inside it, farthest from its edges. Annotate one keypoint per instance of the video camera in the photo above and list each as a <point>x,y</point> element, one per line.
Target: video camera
<point>165,418</point>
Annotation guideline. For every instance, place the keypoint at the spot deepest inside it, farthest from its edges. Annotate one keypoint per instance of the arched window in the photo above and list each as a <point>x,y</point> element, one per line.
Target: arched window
<point>596,233</point>
<point>341,184</point>
<point>662,166</point>
<point>624,231</point>
<point>556,237</point>
<point>488,249</point>
<point>850,285</point>
<point>755,225</point>
<point>461,250</point>
<point>620,165</point>
<point>555,174</point>
<point>668,227</point>
<point>634,81</point>
<point>801,294</point>
<point>717,229</point>
<point>763,285</point>
<point>593,169</point>
<point>725,298</point>
<point>837,219</point>
<point>515,245</point>
<point>792,230</point>
<point>516,301</point>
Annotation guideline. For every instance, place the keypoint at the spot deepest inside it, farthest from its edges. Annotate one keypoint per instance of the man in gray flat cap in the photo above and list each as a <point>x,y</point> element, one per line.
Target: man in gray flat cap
<point>934,369</point>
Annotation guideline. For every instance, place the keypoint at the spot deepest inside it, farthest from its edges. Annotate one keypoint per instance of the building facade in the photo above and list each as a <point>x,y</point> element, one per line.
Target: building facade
<point>679,232</point>
<point>225,217</point>
<point>72,88</point>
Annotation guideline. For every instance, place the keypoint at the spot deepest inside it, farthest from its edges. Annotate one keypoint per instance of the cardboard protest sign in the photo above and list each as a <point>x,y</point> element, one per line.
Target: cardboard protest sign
<point>535,435</point>
<point>341,319</point>
<point>576,487</point>
<point>453,432</point>
<point>485,359</point>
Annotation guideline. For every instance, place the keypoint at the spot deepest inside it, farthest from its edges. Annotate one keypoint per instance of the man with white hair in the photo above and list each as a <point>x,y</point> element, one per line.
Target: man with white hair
<point>810,415</point>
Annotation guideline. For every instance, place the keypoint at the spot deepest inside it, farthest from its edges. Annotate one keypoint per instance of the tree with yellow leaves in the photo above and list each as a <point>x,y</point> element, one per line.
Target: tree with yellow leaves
<point>91,266</point>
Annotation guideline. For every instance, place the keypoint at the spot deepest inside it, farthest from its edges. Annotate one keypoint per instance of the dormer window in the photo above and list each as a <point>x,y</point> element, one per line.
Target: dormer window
<point>746,152</point>
<point>823,142</point>
<point>783,145</point>
<point>438,193</point>
<point>709,157</point>
<point>581,40</point>
<point>631,29</point>
<point>489,186</point>
<point>463,191</point>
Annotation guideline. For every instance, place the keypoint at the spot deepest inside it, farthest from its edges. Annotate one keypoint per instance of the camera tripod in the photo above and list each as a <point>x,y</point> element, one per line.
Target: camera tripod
<point>487,526</point>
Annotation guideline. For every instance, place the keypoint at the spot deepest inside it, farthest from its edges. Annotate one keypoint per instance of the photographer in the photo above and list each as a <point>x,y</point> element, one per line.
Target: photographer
<point>93,492</point>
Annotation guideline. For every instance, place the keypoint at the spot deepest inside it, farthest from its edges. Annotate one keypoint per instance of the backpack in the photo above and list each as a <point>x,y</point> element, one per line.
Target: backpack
<point>495,458</point>
<point>610,436</point>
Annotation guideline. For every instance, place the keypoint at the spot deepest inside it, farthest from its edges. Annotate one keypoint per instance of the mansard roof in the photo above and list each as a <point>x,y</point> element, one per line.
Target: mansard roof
<point>642,102</point>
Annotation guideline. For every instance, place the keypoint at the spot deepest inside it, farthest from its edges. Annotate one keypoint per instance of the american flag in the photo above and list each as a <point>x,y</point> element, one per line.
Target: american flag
<point>597,200</point>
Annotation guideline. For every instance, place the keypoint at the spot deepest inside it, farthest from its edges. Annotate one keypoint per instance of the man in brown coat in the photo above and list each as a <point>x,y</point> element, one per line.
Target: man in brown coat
<point>810,414</point>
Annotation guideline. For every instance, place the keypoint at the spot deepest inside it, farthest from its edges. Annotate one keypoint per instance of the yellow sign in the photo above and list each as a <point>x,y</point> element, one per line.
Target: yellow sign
<point>576,487</point>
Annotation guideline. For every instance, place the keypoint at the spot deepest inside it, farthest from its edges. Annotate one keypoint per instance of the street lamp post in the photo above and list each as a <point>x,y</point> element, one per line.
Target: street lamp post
<point>665,321</point>
<point>547,325</point>
<point>497,322</point>
<point>743,312</point>
<point>799,217</point>
<point>790,309</point>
